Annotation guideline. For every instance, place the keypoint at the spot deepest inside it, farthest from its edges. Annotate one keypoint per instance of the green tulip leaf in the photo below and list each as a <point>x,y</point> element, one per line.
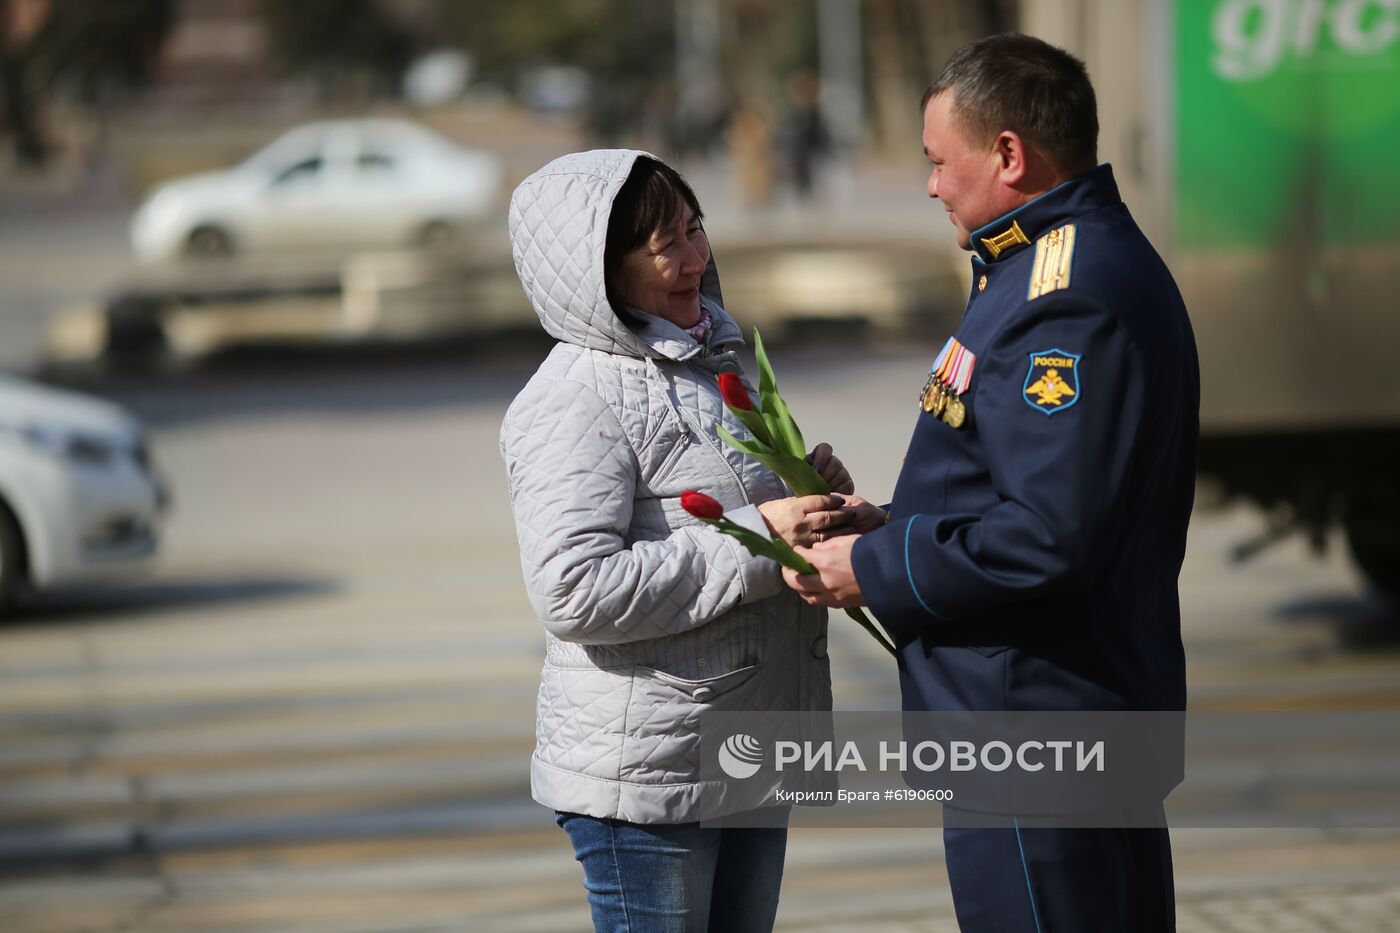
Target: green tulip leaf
<point>864,621</point>
<point>786,435</point>
<point>779,550</point>
<point>775,548</point>
<point>798,474</point>
<point>756,425</point>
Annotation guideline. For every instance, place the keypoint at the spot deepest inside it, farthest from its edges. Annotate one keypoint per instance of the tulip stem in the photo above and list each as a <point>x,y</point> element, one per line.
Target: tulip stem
<point>864,621</point>
<point>780,551</point>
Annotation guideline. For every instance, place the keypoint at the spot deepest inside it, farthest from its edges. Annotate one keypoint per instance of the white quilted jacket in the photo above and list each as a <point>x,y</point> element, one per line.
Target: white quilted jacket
<point>653,620</point>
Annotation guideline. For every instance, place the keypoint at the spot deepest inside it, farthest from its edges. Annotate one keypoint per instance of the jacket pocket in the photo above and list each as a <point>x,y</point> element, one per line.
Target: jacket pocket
<point>705,690</point>
<point>667,717</point>
<point>662,449</point>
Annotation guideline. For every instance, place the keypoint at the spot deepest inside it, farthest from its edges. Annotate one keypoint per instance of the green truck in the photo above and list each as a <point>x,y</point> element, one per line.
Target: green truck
<point>1258,143</point>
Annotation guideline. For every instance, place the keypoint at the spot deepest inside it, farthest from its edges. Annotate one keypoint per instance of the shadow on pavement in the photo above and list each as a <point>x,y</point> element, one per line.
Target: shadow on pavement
<point>374,378</point>
<point>102,603</point>
<point>1367,622</point>
<point>346,379</point>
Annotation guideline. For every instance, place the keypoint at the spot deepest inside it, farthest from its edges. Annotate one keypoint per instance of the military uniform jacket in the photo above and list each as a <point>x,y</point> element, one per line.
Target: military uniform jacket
<point>1032,553</point>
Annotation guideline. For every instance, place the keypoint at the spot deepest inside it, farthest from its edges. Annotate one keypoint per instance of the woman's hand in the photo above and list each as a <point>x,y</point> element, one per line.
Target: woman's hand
<point>831,469</point>
<point>864,516</point>
<point>802,521</point>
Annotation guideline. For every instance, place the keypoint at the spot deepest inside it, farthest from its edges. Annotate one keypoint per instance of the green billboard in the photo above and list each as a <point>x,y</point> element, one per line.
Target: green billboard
<point>1287,123</point>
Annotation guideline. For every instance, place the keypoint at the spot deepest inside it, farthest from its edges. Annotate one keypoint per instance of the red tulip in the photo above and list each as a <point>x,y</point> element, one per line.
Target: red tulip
<point>735,395</point>
<point>701,505</point>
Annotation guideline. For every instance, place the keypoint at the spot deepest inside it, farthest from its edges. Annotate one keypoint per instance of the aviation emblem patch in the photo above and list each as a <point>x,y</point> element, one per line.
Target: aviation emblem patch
<point>1052,382</point>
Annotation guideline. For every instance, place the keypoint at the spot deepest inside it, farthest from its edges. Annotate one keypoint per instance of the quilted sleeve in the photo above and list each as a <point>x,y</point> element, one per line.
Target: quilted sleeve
<point>572,476</point>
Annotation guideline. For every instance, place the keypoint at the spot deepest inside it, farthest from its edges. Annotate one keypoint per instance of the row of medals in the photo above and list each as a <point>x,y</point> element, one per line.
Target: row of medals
<point>939,400</point>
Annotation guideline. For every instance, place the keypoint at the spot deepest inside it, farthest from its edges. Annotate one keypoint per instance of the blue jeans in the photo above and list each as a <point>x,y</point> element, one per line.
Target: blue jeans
<point>677,878</point>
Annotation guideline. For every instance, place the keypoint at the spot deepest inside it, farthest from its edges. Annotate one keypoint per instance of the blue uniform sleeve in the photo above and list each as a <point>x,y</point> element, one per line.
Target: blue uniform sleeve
<point>1061,474</point>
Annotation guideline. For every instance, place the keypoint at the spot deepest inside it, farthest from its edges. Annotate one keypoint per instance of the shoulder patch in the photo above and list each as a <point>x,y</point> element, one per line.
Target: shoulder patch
<point>1052,381</point>
<point>1054,258</point>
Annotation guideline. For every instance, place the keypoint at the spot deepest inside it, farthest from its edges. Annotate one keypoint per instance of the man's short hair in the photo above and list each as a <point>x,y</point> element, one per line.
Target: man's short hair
<point>1023,84</point>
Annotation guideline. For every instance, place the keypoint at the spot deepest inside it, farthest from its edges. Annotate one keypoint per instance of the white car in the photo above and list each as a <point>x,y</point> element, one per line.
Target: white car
<point>79,499</point>
<point>333,184</point>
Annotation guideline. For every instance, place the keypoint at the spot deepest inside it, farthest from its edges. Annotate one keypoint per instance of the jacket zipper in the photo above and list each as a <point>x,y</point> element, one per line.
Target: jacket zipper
<point>703,437</point>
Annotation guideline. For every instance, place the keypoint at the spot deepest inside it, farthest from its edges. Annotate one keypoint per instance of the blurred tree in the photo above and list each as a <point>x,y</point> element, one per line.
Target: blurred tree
<point>626,46</point>
<point>90,51</point>
<point>757,37</point>
<point>341,45</point>
<point>907,42</point>
<point>18,23</point>
<point>630,50</point>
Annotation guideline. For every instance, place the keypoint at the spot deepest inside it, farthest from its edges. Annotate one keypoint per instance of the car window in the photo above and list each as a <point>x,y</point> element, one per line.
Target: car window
<point>374,163</point>
<point>303,171</point>
<point>289,148</point>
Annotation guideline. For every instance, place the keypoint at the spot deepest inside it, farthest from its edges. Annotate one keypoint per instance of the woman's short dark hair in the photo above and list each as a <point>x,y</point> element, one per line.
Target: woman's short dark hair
<point>647,201</point>
<point>1023,84</point>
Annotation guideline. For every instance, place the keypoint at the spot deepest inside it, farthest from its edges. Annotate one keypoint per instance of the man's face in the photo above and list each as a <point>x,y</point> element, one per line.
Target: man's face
<point>965,176</point>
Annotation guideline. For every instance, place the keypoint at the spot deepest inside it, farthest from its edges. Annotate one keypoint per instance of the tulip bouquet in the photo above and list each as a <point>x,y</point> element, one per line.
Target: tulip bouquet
<point>777,441</point>
<point>708,510</point>
<point>777,444</point>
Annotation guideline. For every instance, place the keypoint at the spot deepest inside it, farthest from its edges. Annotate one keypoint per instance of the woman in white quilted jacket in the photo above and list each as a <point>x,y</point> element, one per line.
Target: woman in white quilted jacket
<point>656,624</point>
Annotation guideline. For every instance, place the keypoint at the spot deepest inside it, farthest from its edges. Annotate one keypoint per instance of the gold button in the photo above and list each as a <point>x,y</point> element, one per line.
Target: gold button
<point>982,284</point>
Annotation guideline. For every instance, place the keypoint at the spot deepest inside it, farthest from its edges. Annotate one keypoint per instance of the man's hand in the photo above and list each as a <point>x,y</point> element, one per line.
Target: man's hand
<point>834,584</point>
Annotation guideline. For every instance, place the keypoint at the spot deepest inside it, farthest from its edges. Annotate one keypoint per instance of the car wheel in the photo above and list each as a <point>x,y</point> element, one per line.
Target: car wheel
<point>11,557</point>
<point>1374,538</point>
<point>439,235</point>
<point>208,242</point>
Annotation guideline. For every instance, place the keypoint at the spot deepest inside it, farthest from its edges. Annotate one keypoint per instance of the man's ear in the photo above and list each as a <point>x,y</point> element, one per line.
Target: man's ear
<point>1010,152</point>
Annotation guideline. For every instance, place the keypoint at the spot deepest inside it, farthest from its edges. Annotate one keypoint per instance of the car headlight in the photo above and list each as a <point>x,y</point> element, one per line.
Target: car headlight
<point>90,450</point>
<point>84,449</point>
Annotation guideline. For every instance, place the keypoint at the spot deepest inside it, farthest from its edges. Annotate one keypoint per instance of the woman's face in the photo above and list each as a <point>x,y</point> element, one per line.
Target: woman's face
<point>662,275</point>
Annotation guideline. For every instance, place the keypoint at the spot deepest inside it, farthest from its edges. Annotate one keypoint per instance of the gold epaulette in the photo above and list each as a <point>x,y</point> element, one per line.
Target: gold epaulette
<point>1054,257</point>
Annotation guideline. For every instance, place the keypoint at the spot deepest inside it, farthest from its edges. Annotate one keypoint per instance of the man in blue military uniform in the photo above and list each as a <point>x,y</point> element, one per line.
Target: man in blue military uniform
<point>1029,559</point>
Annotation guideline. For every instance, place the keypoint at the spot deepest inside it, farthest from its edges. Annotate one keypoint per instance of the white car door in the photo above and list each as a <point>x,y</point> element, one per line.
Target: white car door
<point>378,205</point>
<point>296,206</point>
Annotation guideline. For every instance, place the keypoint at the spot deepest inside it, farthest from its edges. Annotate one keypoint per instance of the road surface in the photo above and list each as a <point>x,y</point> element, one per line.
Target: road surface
<point>316,714</point>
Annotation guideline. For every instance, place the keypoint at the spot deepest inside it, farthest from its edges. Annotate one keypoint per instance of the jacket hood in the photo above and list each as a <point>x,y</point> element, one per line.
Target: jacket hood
<point>558,229</point>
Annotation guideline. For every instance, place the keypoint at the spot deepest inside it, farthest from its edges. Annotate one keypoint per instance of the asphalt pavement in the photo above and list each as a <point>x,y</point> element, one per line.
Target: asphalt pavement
<point>316,713</point>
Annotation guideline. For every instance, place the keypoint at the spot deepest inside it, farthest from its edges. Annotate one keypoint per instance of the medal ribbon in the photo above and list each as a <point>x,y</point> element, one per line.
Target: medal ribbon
<point>942,356</point>
<point>948,359</point>
<point>954,366</point>
<point>961,376</point>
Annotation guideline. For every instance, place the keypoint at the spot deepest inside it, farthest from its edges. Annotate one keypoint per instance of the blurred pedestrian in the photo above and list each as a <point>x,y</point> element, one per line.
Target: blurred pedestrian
<point>750,149</point>
<point>806,141</point>
<point>1031,553</point>
<point>655,623</point>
